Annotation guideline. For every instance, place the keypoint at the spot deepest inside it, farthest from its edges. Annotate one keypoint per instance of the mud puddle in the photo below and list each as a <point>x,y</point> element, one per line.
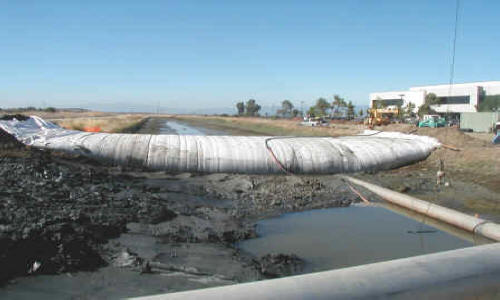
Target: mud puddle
<point>176,127</point>
<point>348,236</point>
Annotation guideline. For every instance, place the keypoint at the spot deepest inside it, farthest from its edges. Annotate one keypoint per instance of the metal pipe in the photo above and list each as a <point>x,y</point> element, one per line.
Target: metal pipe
<point>457,274</point>
<point>469,223</point>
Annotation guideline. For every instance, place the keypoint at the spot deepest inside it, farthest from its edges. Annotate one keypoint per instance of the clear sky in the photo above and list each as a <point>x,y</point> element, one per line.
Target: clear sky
<point>201,54</point>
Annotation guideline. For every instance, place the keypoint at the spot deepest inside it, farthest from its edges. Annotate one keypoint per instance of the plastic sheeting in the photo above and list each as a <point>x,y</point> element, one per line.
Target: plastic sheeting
<point>372,150</point>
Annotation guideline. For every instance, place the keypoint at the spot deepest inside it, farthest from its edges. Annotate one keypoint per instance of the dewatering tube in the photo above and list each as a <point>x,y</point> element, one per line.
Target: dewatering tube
<point>472,272</point>
<point>231,154</point>
<point>471,224</point>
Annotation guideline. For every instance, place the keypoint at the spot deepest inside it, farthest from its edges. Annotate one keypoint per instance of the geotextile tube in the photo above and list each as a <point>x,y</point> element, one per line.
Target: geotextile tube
<point>369,151</point>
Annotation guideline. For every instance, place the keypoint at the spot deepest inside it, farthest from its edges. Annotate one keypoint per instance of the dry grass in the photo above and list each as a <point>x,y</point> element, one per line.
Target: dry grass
<point>478,161</point>
<point>112,124</point>
<point>62,114</point>
<point>265,126</point>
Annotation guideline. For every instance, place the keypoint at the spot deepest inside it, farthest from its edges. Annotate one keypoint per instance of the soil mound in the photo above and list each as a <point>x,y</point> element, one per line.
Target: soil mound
<point>7,141</point>
<point>449,135</point>
<point>15,116</point>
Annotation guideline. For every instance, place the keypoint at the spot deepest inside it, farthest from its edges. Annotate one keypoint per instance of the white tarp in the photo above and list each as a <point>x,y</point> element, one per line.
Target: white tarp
<point>372,150</point>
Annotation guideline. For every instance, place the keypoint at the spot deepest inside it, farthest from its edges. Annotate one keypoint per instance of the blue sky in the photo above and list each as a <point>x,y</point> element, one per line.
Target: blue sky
<point>190,55</point>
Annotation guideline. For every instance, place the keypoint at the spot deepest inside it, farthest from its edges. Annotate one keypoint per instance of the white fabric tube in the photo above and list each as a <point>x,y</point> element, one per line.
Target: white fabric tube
<point>231,154</point>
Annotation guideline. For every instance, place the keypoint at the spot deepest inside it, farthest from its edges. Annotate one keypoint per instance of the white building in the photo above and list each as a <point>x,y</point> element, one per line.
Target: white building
<point>457,98</point>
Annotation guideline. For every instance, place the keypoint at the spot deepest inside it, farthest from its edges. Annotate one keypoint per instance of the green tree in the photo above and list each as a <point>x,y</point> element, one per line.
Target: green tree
<point>286,109</point>
<point>401,112</point>
<point>321,107</point>
<point>409,110</point>
<point>338,103</point>
<point>425,109</point>
<point>312,111</point>
<point>240,106</point>
<point>360,113</point>
<point>50,109</point>
<point>350,111</point>
<point>252,108</point>
<point>490,103</point>
<point>296,113</point>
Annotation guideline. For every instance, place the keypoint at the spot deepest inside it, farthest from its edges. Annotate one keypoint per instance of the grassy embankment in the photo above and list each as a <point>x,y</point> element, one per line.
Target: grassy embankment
<point>267,126</point>
<point>112,124</point>
<point>60,114</point>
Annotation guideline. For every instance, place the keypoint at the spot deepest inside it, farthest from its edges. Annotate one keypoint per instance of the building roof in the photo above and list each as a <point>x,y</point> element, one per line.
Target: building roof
<point>465,84</point>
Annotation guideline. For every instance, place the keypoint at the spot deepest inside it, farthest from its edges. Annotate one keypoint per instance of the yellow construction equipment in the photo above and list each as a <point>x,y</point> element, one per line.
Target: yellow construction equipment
<point>381,116</point>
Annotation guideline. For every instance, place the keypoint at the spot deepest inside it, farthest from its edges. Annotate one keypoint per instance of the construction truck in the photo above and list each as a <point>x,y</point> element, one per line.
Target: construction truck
<point>381,116</point>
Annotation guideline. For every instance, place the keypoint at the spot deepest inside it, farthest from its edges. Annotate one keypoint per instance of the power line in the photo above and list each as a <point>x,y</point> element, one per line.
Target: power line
<point>452,66</point>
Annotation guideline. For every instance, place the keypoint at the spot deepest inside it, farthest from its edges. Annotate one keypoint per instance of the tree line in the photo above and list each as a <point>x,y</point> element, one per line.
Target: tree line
<point>338,107</point>
<point>30,108</point>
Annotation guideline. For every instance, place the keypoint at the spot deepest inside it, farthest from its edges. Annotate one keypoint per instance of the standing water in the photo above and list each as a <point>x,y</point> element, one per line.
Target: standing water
<point>349,236</point>
<point>175,127</point>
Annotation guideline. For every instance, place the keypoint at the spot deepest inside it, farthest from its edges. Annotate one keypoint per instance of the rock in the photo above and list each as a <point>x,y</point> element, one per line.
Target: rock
<point>159,215</point>
<point>279,265</point>
<point>403,189</point>
<point>146,268</point>
<point>127,259</point>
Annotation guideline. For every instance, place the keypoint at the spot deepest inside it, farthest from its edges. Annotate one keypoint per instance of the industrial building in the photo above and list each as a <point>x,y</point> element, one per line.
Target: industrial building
<point>455,99</point>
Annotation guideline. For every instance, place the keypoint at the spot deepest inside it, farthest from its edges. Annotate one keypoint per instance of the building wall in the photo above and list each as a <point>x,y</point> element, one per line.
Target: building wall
<point>415,97</point>
<point>471,91</point>
<point>492,90</point>
<point>417,94</point>
<point>479,121</point>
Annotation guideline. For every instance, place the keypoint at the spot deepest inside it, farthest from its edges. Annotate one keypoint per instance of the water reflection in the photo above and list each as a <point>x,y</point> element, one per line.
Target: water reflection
<point>350,236</point>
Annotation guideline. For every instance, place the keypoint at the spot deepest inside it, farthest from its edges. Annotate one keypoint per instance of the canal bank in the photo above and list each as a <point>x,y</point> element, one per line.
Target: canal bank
<point>189,235</point>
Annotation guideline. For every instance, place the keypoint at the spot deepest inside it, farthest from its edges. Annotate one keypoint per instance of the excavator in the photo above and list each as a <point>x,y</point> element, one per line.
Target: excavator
<point>381,116</point>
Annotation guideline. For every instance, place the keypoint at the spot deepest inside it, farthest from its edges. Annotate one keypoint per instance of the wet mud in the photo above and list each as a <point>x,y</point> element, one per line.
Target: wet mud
<point>64,214</point>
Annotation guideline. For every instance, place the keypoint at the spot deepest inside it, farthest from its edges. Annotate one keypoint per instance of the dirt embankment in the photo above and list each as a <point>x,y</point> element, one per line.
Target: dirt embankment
<point>123,123</point>
<point>473,173</point>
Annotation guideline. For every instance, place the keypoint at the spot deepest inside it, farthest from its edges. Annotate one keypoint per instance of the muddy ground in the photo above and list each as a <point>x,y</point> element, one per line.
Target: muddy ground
<point>65,214</point>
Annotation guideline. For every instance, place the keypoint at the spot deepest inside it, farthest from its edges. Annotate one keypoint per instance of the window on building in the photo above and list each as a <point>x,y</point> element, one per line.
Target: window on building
<point>454,100</point>
<point>387,102</point>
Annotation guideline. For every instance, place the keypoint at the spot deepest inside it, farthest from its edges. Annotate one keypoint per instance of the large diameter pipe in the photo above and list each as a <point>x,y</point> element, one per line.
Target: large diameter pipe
<point>474,239</point>
<point>231,154</point>
<point>457,274</point>
<point>472,224</point>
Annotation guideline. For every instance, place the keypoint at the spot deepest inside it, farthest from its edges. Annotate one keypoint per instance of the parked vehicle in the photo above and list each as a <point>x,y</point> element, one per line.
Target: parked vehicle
<point>496,130</point>
<point>313,122</point>
<point>432,121</point>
